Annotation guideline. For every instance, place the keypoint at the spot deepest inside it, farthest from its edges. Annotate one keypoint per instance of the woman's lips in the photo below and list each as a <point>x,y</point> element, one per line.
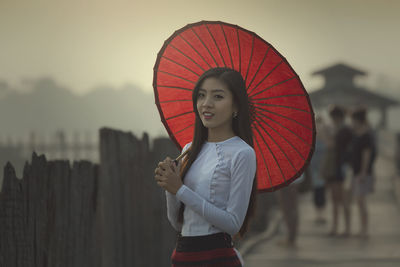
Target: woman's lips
<point>208,116</point>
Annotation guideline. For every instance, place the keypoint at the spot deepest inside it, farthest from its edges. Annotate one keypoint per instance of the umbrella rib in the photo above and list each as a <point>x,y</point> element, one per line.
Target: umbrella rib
<point>281,106</point>
<point>194,50</point>
<point>287,141</point>
<point>227,44</point>
<point>215,42</point>
<point>266,110</point>
<point>251,57</point>
<point>175,87</point>
<point>265,163</point>
<point>184,129</point>
<point>259,67</point>
<point>240,53</point>
<point>263,115</point>
<point>263,90</point>
<point>262,128</point>
<point>262,137</point>
<point>187,57</point>
<point>279,96</point>
<point>204,45</point>
<point>195,73</point>
<point>175,116</point>
<point>269,73</point>
<point>176,76</point>
<point>178,100</point>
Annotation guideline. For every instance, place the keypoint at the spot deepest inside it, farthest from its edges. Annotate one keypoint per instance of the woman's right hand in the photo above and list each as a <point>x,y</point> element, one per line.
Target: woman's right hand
<point>167,175</point>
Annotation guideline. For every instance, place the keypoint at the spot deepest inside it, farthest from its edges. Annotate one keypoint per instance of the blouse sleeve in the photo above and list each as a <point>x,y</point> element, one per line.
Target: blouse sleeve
<point>173,205</point>
<point>230,220</point>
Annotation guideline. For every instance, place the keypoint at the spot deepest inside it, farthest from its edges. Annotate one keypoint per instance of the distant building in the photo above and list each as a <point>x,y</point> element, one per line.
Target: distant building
<point>340,89</point>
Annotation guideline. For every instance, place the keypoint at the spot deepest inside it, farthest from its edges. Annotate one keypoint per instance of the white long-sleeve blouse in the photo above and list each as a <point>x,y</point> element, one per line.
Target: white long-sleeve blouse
<point>216,189</point>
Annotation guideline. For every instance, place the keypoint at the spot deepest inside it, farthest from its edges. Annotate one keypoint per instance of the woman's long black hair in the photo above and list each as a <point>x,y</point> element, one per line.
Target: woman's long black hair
<point>241,126</point>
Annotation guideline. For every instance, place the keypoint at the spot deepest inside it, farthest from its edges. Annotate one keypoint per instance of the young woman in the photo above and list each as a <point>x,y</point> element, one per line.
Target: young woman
<point>363,157</point>
<point>211,193</point>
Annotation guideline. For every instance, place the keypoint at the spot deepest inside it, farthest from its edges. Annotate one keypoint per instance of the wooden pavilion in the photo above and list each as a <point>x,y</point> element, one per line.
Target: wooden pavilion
<point>340,89</point>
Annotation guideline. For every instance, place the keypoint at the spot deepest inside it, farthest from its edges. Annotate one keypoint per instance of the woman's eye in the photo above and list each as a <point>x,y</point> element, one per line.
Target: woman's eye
<point>216,96</point>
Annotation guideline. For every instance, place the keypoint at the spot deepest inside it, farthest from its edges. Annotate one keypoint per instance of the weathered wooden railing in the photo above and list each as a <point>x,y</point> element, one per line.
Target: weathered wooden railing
<point>133,210</point>
<point>88,215</point>
<point>47,218</point>
<point>110,215</point>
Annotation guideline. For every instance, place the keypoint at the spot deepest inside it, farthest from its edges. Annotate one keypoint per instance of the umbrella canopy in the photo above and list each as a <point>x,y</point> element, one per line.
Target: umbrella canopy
<point>283,123</point>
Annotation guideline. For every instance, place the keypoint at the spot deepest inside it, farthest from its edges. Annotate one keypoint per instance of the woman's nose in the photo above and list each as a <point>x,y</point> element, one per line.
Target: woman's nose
<point>207,102</point>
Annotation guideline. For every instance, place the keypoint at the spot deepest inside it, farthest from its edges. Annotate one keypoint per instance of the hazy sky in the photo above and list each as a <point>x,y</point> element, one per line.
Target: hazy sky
<point>84,43</point>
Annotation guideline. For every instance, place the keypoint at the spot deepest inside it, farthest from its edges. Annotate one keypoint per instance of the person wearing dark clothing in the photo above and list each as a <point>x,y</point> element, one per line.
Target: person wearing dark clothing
<point>363,142</point>
<point>363,151</point>
<point>323,143</point>
<point>342,138</point>
<point>342,141</point>
<point>288,201</point>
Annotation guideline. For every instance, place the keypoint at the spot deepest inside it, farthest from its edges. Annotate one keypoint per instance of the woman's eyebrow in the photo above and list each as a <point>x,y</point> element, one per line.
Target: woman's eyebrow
<point>214,90</point>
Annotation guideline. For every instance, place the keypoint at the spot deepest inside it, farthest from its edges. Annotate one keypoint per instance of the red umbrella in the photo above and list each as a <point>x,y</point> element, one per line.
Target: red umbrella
<point>282,117</point>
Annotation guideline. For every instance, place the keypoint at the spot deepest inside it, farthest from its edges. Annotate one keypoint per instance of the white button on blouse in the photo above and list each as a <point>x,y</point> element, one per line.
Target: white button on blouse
<point>216,189</point>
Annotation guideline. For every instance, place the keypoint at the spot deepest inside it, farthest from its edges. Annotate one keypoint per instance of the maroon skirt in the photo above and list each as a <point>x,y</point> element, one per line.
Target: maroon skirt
<point>215,250</point>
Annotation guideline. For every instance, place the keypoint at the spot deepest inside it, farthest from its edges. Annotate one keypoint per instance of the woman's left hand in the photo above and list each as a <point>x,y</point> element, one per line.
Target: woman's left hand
<point>167,175</point>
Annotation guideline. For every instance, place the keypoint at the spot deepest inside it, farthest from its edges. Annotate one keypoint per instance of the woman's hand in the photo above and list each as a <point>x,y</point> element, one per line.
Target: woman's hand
<point>167,175</point>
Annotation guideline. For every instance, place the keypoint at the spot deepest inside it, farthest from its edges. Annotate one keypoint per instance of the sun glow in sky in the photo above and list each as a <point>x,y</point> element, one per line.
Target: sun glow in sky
<point>83,44</point>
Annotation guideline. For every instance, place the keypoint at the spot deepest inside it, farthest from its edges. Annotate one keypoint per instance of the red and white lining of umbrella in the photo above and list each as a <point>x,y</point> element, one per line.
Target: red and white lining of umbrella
<point>282,116</point>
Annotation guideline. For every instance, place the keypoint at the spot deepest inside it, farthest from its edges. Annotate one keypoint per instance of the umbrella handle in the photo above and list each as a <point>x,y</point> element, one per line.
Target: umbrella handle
<point>180,156</point>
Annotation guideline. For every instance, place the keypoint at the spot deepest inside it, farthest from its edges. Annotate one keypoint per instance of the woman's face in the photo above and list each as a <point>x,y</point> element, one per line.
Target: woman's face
<point>214,97</point>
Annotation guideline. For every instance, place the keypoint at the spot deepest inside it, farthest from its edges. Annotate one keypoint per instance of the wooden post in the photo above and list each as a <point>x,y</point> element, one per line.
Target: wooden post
<point>132,206</point>
<point>112,215</point>
<point>47,218</point>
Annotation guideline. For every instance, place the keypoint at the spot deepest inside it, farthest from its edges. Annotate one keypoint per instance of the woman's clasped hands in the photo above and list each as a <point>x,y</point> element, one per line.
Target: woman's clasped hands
<point>167,175</point>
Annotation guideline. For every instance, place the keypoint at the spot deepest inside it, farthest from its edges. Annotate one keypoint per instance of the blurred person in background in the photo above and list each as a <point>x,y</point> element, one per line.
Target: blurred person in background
<point>318,165</point>
<point>288,202</point>
<point>363,151</point>
<point>342,136</point>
